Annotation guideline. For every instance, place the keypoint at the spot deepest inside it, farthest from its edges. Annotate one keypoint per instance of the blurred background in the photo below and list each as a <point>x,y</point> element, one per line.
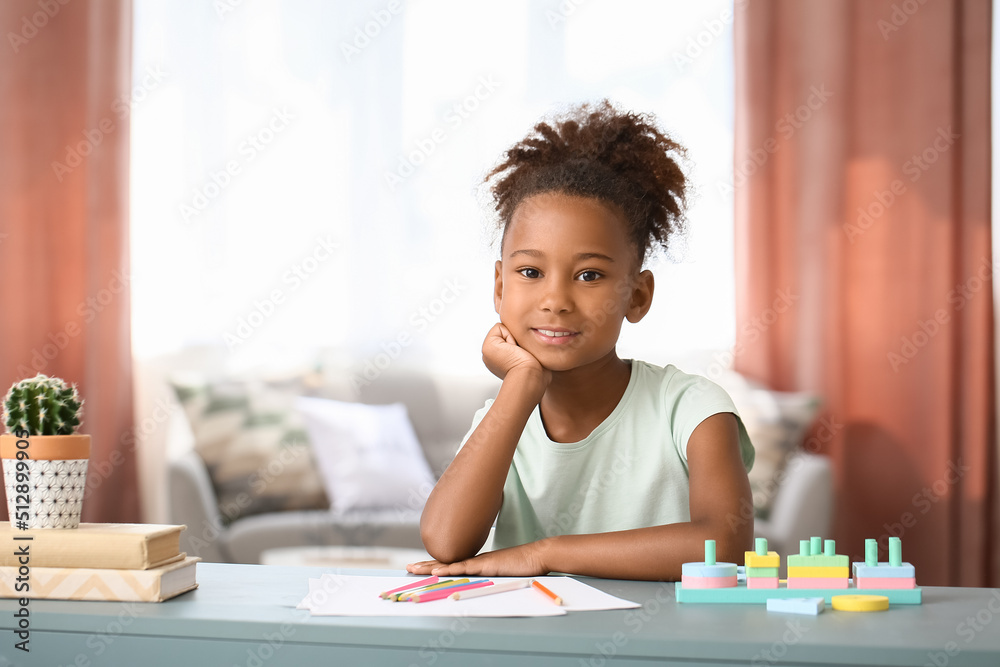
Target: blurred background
<point>382,136</point>
<point>284,198</point>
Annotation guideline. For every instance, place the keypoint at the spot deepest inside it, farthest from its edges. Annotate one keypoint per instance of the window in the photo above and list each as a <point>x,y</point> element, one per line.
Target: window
<point>304,173</point>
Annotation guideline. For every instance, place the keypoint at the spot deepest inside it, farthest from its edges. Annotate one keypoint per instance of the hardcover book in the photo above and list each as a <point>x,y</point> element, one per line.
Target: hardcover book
<point>55,583</point>
<point>125,546</point>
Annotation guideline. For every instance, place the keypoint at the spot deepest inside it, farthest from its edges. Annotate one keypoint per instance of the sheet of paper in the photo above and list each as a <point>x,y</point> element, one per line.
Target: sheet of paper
<point>349,595</point>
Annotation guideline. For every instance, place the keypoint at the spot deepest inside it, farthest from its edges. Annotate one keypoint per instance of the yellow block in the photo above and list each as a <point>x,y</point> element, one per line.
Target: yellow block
<point>818,572</point>
<point>753,559</point>
<point>860,602</point>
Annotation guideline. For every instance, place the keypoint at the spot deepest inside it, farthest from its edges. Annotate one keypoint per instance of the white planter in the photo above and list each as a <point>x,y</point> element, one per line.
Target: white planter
<point>44,486</point>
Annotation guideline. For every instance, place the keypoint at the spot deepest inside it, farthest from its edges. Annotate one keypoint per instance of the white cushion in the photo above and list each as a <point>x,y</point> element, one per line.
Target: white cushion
<point>368,455</point>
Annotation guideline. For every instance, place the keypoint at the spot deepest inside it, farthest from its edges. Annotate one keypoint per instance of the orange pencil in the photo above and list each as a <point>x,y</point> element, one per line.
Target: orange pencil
<point>538,587</point>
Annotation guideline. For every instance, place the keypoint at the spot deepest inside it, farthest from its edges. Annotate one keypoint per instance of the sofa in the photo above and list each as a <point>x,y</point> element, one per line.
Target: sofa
<point>440,407</point>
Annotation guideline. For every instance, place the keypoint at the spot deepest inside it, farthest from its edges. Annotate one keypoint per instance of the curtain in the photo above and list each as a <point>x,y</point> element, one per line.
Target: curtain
<point>862,157</point>
<point>64,136</point>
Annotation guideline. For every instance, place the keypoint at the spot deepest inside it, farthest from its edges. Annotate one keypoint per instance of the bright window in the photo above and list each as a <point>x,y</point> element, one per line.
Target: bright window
<point>304,173</point>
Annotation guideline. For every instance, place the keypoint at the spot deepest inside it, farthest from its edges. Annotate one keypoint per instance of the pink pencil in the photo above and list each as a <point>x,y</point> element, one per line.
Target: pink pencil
<point>445,592</point>
<point>416,584</point>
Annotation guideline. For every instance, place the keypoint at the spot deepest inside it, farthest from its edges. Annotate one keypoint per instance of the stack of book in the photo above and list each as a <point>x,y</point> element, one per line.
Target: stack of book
<point>98,561</point>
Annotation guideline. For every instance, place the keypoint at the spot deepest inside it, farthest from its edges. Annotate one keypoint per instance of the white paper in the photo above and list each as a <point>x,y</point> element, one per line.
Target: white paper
<point>351,595</point>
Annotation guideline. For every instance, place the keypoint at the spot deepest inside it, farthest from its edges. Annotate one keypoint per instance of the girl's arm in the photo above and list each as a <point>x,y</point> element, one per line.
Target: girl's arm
<point>463,504</point>
<point>719,498</point>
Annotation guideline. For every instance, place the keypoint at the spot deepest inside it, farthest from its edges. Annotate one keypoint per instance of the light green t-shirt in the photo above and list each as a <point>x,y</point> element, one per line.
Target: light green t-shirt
<point>630,472</point>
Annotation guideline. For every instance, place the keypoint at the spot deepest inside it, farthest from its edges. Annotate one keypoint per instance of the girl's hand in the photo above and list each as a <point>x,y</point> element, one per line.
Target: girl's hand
<point>502,354</point>
<point>522,561</point>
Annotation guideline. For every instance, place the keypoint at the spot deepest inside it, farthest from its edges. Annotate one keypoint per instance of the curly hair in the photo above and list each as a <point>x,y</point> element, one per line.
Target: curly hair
<point>621,158</point>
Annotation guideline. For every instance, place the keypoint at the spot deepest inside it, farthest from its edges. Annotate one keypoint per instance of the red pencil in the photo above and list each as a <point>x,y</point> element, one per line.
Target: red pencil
<point>416,584</point>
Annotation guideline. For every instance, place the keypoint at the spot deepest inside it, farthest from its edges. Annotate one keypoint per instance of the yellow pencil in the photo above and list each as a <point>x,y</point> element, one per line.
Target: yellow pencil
<point>403,597</point>
<point>537,585</point>
<point>409,587</point>
<point>395,596</point>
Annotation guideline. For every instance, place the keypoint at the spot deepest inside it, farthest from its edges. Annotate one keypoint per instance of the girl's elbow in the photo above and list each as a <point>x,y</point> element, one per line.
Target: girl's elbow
<point>443,550</point>
<point>444,554</point>
<point>439,543</point>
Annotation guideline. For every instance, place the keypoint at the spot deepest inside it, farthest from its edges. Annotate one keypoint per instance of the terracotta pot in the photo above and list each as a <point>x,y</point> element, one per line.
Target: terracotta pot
<point>45,477</point>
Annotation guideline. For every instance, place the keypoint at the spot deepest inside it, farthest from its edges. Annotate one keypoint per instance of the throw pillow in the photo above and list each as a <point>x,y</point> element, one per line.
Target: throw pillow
<point>254,446</point>
<point>368,455</point>
<point>776,423</point>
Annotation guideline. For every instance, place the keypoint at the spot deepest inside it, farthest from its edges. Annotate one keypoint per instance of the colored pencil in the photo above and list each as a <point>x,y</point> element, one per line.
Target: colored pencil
<point>495,588</point>
<point>447,592</point>
<point>415,584</point>
<point>537,585</point>
<point>396,597</point>
<point>449,583</point>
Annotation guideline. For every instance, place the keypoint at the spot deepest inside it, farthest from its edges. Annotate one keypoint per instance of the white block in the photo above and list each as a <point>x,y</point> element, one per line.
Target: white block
<point>811,606</point>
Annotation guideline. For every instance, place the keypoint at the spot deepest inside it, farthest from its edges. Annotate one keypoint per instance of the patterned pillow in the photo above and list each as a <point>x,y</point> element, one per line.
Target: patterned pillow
<point>254,446</point>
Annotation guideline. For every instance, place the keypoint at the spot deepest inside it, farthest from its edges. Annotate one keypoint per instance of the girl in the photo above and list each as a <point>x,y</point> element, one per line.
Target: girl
<point>589,464</point>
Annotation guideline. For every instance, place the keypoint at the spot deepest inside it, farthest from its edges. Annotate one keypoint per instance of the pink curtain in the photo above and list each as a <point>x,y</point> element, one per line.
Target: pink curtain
<point>863,188</point>
<point>64,133</point>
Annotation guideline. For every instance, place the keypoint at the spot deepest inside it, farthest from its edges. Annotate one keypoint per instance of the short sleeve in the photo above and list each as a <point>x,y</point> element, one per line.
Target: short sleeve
<point>478,417</point>
<point>690,400</point>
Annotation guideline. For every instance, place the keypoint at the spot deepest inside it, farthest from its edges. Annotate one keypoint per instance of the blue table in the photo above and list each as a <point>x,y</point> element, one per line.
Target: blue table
<point>245,615</point>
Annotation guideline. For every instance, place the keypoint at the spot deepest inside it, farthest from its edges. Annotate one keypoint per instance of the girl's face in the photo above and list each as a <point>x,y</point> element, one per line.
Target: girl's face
<point>567,277</point>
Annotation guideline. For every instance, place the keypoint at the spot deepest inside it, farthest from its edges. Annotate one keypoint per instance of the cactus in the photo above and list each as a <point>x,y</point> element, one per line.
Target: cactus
<point>42,405</point>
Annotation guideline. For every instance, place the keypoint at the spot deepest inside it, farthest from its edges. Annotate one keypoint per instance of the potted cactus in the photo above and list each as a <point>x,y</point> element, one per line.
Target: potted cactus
<point>44,456</point>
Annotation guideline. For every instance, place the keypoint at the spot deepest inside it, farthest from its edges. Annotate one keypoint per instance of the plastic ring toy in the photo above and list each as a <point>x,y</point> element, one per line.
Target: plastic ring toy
<point>860,602</point>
